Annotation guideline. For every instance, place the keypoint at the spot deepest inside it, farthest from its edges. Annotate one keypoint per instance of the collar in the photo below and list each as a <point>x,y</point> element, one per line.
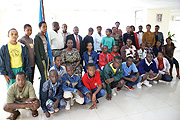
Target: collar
<point>70,76</point>
<point>148,62</point>
<point>90,76</point>
<point>52,84</point>
<point>61,68</point>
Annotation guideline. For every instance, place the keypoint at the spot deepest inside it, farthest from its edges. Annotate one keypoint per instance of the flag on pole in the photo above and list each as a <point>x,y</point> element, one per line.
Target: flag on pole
<point>48,45</point>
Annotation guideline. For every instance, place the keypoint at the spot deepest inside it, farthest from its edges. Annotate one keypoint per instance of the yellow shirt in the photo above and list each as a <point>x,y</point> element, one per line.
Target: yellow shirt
<point>114,70</point>
<point>15,55</point>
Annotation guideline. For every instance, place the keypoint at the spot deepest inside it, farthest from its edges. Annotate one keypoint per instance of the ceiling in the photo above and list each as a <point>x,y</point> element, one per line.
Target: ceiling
<point>107,5</point>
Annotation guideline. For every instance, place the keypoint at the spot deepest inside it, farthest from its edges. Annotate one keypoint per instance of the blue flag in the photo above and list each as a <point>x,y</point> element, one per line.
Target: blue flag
<point>48,45</point>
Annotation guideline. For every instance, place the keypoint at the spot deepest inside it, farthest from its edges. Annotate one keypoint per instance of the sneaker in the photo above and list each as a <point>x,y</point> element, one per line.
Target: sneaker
<point>118,89</point>
<point>161,81</point>
<point>114,92</point>
<point>51,112</point>
<point>155,82</point>
<point>139,85</point>
<point>72,102</point>
<point>128,87</point>
<point>147,83</point>
<point>56,110</point>
<point>67,106</point>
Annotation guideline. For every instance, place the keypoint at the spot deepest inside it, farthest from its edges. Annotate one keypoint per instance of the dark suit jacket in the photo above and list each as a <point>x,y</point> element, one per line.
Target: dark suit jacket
<point>71,36</point>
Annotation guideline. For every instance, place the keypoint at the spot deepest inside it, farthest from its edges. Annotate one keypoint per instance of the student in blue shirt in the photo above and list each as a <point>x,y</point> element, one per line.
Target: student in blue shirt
<point>130,73</point>
<point>52,95</point>
<point>90,56</point>
<point>73,88</point>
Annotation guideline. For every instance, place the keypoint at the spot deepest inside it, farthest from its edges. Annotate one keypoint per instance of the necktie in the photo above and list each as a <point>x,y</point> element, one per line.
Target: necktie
<point>77,43</point>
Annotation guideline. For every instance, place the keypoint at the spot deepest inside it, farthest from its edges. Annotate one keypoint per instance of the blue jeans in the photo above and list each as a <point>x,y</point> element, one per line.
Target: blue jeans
<point>100,94</point>
<point>166,78</point>
<point>50,106</point>
<point>130,83</point>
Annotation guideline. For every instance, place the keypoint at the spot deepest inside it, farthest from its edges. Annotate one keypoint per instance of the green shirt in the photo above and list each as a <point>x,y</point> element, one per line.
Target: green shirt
<point>14,94</point>
<point>106,41</point>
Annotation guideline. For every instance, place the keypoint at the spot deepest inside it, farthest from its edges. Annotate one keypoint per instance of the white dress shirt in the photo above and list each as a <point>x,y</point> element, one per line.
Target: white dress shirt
<point>97,41</point>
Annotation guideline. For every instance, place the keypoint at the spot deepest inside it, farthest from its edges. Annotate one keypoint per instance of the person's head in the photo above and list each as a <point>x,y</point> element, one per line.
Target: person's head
<point>108,32</point>
<point>105,49</point>
<point>128,29</point>
<point>20,79</point>
<point>114,29</point>
<point>90,31</point>
<point>69,69</point>
<point>132,28</point>
<point>168,40</point>
<point>99,28</point>
<point>140,28</point>
<point>64,27</point>
<point>115,48</point>
<point>55,26</point>
<point>117,24</point>
<point>129,60</point>
<point>13,34</point>
<point>160,55</point>
<point>148,27</point>
<point>157,28</point>
<point>117,61</point>
<point>142,45</point>
<point>148,43</point>
<point>53,76</point>
<point>28,29</point>
<point>149,57</point>
<point>158,44</point>
<point>76,30</point>
<point>58,61</point>
<point>69,43</point>
<point>43,26</point>
<point>91,69</point>
<point>89,46</point>
<point>128,42</point>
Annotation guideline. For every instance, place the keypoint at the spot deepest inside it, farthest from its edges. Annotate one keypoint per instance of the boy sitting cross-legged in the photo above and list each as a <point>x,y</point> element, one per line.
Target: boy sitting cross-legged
<point>92,81</point>
<point>21,95</point>
<point>52,95</point>
<point>73,88</point>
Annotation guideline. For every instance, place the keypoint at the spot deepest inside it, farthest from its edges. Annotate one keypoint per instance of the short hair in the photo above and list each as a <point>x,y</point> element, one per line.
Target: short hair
<point>57,56</point>
<point>157,26</point>
<point>158,41</point>
<point>128,39</point>
<point>27,25</point>
<point>53,70</point>
<point>21,73</point>
<point>68,40</point>
<point>54,23</point>
<point>129,57</point>
<point>69,65</point>
<point>109,30</point>
<point>148,25</point>
<point>161,52</point>
<point>64,24</point>
<point>142,44</point>
<point>118,57</point>
<point>117,22</point>
<point>133,27</point>
<point>149,54</point>
<point>88,43</point>
<point>99,27</point>
<point>115,45</point>
<point>140,26</point>
<point>113,27</point>
<point>40,24</point>
<point>90,65</point>
<point>90,29</point>
<point>12,29</point>
<point>105,46</point>
<point>76,27</point>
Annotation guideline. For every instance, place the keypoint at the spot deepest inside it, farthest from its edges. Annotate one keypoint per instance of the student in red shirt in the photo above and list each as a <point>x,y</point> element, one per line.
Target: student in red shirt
<point>92,81</point>
<point>114,52</point>
<point>104,57</point>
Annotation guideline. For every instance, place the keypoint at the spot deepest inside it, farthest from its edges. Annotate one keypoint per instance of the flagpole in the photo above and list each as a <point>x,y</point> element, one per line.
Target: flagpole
<point>42,8</point>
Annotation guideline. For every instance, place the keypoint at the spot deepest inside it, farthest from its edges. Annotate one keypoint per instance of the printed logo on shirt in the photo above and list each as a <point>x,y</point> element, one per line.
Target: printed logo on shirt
<point>14,52</point>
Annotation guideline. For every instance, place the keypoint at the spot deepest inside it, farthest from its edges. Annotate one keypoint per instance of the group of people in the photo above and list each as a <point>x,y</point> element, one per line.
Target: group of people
<point>109,63</point>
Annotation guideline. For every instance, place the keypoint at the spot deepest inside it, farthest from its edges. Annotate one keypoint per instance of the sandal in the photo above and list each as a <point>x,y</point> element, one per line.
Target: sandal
<point>14,115</point>
<point>35,113</point>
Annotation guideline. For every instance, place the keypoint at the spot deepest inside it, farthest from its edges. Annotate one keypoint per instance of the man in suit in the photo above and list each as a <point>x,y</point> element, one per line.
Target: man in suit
<point>77,40</point>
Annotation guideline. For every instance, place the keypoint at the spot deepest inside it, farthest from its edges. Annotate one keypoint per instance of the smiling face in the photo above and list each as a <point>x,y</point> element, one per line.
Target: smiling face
<point>13,35</point>
<point>76,30</point>
<point>20,80</point>
<point>64,27</point>
<point>70,70</point>
<point>129,61</point>
<point>58,62</point>
<point>129,42</point>
<point>55,26</point>
<point>28,31</point>
<point>149,57</point>
<point>91,70</point>
<point>69,44</point>
<point>117,63</point>
<point>89,46</point>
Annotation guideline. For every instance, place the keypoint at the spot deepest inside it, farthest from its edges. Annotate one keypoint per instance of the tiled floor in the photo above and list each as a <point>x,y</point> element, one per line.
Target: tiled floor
<point>160,102</point>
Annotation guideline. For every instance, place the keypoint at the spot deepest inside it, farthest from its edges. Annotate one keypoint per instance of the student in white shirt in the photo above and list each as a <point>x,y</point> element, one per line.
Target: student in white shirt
<point>97,39</point>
